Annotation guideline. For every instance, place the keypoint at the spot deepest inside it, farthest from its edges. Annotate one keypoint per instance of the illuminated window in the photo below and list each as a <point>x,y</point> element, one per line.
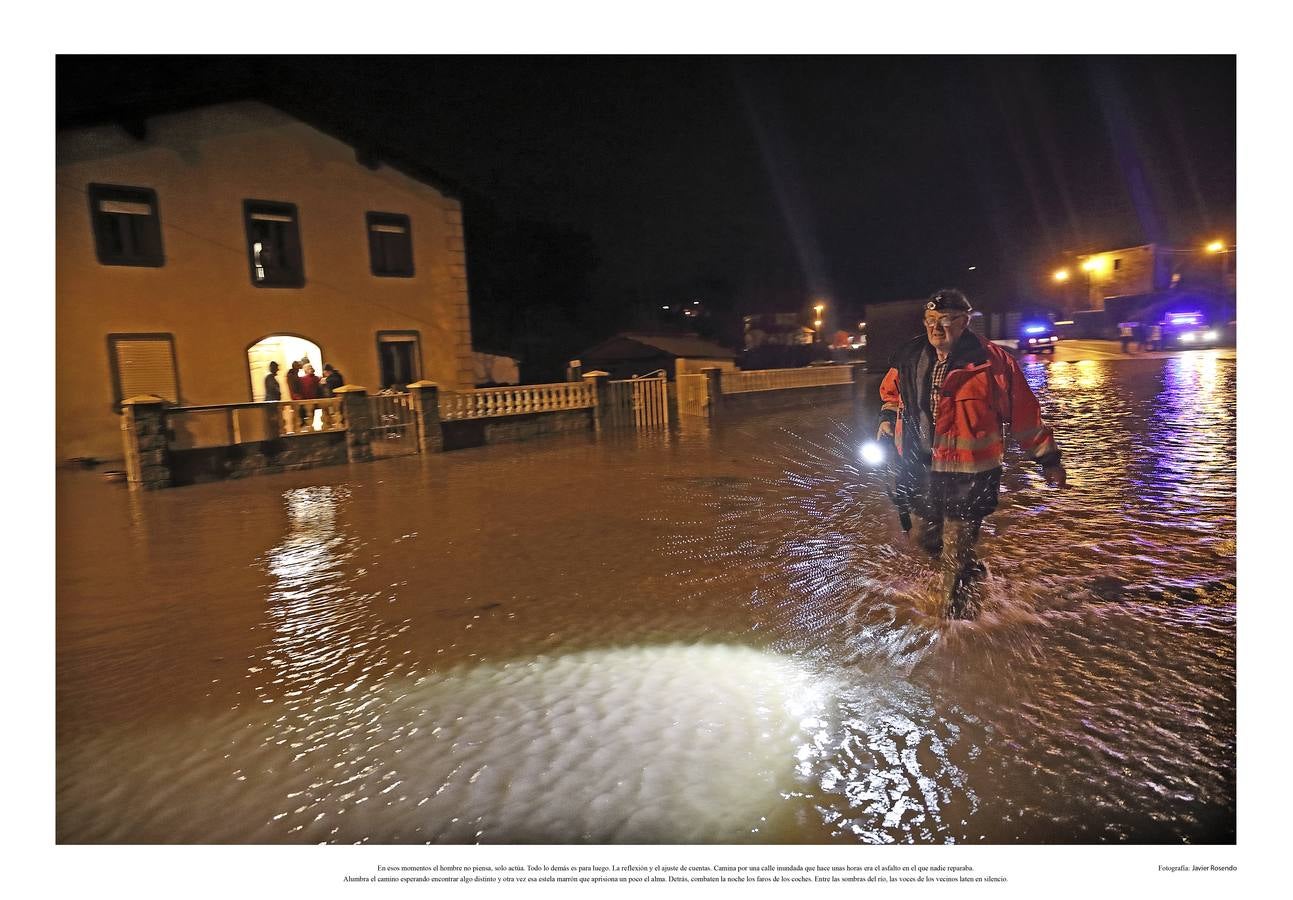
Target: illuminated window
<point>127,228</point>
<point>390,245</point>
<point>273,244</point>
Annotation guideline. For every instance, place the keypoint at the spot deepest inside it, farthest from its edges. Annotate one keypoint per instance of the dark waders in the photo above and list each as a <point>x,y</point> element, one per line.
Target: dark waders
<point>951,543</point>
<point>944,516</point>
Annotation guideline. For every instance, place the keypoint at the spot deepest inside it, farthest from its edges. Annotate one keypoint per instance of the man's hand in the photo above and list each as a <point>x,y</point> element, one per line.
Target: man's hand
<point>886,429</point>
<point>1057,476</point>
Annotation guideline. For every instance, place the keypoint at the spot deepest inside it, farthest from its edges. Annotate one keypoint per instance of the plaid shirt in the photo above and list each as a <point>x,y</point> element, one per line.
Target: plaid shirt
<point>935,390</point>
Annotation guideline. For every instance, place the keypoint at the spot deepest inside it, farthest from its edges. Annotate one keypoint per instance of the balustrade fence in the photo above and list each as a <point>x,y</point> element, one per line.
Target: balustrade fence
<point>508,401</point>
<point>227,424</point>
<point>390,424</point>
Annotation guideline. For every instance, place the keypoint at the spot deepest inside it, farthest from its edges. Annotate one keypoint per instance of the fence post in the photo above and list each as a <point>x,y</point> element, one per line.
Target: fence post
<point>143,434</point>
<point>601,382</point>
<point>714,390</point>
<point>425,399</point>
<point>354,407</point>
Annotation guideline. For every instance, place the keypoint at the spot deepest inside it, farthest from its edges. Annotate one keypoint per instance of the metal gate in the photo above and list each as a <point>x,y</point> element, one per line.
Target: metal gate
<point>639,402</point>
<point>393,431</point>
<point>693,395</point>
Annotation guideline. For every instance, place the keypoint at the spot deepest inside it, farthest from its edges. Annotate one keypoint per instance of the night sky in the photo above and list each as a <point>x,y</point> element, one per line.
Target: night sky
<point>757,183</point>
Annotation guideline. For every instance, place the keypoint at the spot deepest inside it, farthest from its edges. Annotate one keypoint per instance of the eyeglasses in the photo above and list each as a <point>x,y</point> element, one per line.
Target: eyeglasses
<point>943,321</point>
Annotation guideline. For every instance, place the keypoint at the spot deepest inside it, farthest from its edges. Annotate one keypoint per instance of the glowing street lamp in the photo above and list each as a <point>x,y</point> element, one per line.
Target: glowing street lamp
<point>1061,275</point>
<point>1216,247</point>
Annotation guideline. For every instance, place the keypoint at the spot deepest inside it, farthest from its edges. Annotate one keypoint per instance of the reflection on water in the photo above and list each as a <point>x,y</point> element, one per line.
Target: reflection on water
<point>671,743</point>
<point>714,635</point>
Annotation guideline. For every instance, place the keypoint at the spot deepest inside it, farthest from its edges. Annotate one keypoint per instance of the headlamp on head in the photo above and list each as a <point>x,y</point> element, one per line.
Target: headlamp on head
<point>949,300</point>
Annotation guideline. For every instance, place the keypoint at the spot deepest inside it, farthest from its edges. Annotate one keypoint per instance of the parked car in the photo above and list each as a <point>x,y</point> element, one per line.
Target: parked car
<point>1037,336</point>
<point>1184,330</point>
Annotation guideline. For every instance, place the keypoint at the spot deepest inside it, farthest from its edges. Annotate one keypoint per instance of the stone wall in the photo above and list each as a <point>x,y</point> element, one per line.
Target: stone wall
<point>462,433</point>
<point>305,451</point>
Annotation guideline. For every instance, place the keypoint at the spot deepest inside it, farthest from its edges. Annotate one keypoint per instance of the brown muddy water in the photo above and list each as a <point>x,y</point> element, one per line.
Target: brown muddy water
<point>706,636</point>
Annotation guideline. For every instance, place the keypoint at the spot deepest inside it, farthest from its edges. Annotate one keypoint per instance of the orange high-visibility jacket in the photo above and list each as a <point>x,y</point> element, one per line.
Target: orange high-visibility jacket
<point>983,393</point>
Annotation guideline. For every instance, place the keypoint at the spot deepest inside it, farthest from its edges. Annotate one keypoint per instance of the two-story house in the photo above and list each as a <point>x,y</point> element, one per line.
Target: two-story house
<point>194,251</point>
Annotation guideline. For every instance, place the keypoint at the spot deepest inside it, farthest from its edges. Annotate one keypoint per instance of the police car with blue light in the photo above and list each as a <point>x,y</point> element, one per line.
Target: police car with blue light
<point>1037,336</point>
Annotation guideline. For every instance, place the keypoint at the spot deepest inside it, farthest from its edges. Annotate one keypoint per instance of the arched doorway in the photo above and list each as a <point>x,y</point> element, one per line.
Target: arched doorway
<point>282,349</point>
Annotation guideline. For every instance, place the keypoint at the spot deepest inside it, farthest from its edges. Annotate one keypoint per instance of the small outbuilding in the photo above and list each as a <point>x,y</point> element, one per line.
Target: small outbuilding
<point>626,355</point>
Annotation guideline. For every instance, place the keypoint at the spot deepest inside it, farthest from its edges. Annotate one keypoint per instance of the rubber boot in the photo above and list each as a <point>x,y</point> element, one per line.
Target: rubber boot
<point>958,567</point>
<point>927,534</point>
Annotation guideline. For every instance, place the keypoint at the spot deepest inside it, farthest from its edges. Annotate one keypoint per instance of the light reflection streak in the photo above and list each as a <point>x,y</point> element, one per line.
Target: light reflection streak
<point>327,663</point>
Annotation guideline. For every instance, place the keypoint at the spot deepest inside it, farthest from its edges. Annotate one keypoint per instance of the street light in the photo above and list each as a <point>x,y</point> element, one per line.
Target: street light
<point>1061,275</point>
<point>1221,248</point>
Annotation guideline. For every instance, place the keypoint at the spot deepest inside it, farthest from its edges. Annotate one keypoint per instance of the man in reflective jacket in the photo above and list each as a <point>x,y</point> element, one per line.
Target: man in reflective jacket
<point>946,398</point>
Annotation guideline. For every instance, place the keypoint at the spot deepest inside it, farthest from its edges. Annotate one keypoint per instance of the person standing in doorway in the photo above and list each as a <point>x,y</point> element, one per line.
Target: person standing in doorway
<point>332,379</point>
<point>309,383</point>
<point>309,391</point>
<point>294,380</point>
<point>273,393</point>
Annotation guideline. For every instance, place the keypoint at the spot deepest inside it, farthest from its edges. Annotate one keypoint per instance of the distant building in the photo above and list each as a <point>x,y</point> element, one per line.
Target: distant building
<point>776,329</point>
<point>1143,270</point>
<point>196,247</point>
<point>626,355</point>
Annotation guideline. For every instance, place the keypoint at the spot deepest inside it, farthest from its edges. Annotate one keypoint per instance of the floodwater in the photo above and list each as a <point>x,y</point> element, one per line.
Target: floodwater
<point>705,636</point>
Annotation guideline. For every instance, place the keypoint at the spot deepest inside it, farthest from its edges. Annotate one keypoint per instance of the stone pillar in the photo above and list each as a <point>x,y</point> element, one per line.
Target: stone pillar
<point>601,382</point>
<point>425,398</point>
<point>143,434</point>
<point>714,388</point>
<point>359,425</point>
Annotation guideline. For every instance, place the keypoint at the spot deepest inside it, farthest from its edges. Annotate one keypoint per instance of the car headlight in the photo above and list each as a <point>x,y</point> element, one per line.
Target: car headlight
<point>1209,335</point>
<point>1053,339</point>
<point>1187,338</point>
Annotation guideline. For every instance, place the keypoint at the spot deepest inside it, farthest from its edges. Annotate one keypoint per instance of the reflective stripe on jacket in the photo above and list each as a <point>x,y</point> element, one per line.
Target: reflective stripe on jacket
<point>984,392</point>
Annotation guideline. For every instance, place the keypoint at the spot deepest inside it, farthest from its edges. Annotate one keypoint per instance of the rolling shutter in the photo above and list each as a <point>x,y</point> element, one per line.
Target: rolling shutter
<point>145,365</point>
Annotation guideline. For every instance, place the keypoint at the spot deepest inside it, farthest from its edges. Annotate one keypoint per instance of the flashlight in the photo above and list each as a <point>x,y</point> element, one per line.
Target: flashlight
<point>873,453</point>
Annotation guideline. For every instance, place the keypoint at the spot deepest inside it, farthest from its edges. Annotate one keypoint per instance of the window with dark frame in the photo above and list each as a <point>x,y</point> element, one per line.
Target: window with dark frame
<point>390,244</point>
<point>126,224</point>
<point>273,244</point>
<point>1117,264</point>
<point>399,358</point>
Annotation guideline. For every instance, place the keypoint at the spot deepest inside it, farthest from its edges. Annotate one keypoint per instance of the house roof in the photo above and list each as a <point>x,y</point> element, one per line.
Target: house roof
<point>682,346</point>
<point>133,116</point>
